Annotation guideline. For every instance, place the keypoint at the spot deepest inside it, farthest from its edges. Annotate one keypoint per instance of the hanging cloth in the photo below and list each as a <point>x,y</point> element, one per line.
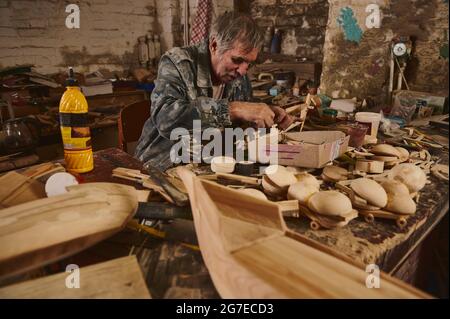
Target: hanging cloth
<point>202,22</point>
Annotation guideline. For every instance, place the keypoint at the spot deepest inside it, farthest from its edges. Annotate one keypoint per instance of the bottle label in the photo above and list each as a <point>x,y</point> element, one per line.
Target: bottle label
<point>75,131</point>
<point>76,138</point>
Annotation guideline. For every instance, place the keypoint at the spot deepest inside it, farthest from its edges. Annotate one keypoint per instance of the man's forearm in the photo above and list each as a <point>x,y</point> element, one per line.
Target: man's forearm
<point>170,113</point>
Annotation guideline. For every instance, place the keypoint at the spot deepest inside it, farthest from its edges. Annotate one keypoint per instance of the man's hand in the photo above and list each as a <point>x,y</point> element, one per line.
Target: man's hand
<point>260,114</point>
<point>283,119</point>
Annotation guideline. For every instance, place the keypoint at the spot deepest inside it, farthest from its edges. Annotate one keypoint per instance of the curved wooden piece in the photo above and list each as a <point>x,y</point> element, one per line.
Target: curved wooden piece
<point>42,231</point>
<point>250,253</point>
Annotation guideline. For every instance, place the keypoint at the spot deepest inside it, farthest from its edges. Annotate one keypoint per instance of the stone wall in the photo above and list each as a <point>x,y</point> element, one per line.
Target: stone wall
<point>303,23</point>
<point>34,31</point>
<point>356,59</point>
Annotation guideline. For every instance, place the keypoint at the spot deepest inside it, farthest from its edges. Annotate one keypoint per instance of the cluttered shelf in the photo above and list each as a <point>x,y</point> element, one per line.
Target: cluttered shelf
<point>29,94</point>
<point>30,108</point>
<point>103,110</point>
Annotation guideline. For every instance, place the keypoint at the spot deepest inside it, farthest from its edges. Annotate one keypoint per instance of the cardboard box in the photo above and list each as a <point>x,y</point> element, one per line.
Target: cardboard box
<point>316,149</point>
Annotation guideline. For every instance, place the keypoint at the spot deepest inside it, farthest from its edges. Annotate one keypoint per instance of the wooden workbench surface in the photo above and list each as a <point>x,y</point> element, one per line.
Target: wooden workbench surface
<point>175,271</point>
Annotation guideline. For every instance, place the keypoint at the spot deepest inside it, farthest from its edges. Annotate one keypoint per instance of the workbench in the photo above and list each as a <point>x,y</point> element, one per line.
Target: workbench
<point>176,271</point>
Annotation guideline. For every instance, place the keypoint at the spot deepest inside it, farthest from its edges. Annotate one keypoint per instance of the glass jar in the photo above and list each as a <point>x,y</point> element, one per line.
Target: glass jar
<point>357,132</point>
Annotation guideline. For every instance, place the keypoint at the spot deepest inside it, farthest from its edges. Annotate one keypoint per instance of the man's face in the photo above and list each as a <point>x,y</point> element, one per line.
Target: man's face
<point>232,63</point>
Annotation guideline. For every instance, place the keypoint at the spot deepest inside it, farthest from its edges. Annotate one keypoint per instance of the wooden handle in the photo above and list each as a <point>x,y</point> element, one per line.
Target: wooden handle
<point>263,75</point>
<point>240,178</point>
<point>178,197</point>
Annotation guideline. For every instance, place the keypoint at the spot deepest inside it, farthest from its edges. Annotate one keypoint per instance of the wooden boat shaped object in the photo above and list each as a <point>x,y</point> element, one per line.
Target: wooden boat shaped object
<point>250,253</point>
<point>42,231</point>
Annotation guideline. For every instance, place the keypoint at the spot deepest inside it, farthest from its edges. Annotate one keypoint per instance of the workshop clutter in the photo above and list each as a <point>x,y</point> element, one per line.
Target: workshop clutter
<point>312,149</point>
<point>372,122</point>
<point>284,82</point>
<point>29,107</point>
<point>409,105</point>
<point>25,92</point>
<point>383,181</point>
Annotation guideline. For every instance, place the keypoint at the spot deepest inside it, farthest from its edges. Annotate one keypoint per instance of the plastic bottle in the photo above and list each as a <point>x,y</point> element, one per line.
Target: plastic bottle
<point>296,88</point>
<point>76,136</point>
<point>276,42</point>
<point>151,49</point>
<point>143,52</point>
<point>157,48</point>
<point>268,38</point>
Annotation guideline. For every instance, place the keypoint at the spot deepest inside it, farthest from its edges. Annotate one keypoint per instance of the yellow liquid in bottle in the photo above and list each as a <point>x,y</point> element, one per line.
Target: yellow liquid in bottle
<point>76,136</point>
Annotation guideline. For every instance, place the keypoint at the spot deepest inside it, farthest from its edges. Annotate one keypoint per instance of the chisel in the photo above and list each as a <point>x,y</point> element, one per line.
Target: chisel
<point>178,197</point>
<point>161,210</point>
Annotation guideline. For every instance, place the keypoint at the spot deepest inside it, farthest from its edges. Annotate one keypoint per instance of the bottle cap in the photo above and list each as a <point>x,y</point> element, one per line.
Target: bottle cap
<point>330,112</point>
<point>71,80</point>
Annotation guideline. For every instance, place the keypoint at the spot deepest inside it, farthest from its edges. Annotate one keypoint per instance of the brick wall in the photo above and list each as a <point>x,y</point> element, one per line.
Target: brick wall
<point>34,31</point>
<point>360,67</point>
<point>303,23</point>
<point>168,23</point>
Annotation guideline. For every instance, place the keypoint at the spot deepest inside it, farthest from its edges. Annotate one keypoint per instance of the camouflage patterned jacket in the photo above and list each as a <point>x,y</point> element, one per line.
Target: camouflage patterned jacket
<point>183,93</point>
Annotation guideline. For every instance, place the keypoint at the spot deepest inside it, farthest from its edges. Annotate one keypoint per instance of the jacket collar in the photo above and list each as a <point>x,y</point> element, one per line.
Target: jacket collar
<point>204,65</point>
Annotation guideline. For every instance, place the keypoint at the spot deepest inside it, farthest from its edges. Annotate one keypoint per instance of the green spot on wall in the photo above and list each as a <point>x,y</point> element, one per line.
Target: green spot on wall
<point>349,24</point>
<point>444,51</point>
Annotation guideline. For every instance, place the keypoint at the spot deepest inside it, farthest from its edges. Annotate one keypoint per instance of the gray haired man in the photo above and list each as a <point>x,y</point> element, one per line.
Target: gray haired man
<point>206,82</point>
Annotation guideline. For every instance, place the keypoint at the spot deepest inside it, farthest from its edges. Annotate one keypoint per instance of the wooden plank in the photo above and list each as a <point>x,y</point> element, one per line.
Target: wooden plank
<point>9,183</point>
<point>18,162</point>
<point>37,170</point>
<point>117,278</point>
<point>26,185</point>
<point>250,254</point>
<point>45,230</point>
<point>29,191</point>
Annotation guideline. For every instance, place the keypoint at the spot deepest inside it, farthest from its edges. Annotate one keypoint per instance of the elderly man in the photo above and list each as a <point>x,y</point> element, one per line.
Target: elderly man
<point>206,82</point>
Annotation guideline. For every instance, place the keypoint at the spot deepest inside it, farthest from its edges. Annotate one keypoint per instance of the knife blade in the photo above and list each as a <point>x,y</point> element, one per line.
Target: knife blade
<point>161,210</point>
